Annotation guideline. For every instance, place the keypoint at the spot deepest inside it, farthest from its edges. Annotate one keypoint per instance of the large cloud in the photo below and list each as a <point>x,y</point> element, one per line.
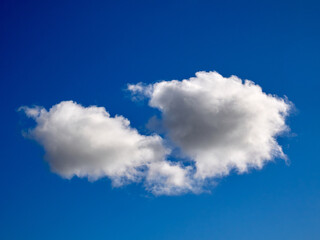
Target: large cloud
<point>220,123</point>
<point>87,142</point>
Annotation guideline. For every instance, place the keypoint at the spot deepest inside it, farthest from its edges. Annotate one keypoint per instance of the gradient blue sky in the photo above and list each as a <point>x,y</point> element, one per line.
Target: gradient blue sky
<point>87,51</point>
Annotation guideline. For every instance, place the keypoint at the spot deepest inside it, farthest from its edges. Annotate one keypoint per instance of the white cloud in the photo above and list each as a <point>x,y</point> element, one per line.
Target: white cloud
<point>170,179</point>
<point>87,142</point>
<point>219,124</point>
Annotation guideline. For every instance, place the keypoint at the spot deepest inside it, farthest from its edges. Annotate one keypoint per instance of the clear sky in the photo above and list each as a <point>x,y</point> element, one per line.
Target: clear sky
<point>88,51</point>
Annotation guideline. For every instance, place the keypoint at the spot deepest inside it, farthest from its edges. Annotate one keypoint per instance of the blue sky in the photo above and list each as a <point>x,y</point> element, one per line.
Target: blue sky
<point>89,51</point>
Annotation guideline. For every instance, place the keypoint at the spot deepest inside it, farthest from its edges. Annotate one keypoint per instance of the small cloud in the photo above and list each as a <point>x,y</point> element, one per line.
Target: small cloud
<point>88,142</point>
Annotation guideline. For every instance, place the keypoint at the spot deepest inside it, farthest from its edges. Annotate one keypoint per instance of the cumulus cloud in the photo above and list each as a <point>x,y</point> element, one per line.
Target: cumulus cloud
<point>88,142</point>
<point>221,124</point>
<point>218,124</point>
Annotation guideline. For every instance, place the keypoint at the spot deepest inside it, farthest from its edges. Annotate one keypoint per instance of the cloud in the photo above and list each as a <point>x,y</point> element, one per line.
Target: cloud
<point>218,124</point>
<point>88,142</point>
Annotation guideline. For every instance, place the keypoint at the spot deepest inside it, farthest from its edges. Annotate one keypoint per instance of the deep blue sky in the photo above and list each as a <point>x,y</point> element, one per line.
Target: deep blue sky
<point>87,51</point>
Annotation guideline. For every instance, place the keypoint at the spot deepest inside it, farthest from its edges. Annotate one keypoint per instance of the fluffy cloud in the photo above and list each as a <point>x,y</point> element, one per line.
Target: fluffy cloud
<point>87,142</point>
<point>218,124</point>
<point>221,124</point>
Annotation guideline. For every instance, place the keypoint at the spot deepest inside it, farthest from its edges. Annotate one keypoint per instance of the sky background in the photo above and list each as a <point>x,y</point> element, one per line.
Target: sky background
<point>87,51</point>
